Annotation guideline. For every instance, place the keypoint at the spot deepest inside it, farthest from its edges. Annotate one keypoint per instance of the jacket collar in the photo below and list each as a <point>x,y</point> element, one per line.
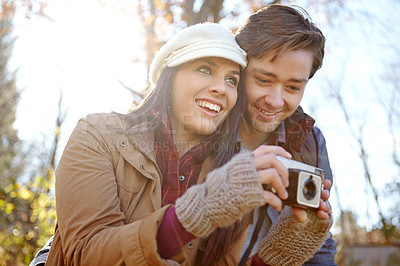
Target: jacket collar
<point>291,131</point>
<point>142,136</point>
<point>138,137</point>
<point>298,125</point>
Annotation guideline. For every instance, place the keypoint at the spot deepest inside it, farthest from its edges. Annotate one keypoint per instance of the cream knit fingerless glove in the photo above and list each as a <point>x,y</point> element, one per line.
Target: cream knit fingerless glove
<point>227,194</point>
<point>290,242</point>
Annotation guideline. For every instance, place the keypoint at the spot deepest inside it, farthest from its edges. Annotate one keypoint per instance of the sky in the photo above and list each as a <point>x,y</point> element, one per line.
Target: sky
<point>84,55</point>
<point>357,57</point>
<point>90,48</point>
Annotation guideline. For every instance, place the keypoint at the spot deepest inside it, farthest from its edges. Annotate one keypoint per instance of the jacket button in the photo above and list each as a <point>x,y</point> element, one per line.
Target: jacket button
<point>190,244</point>
<point>122,143</point>
<point>182,177</point>
<point>142,167</point>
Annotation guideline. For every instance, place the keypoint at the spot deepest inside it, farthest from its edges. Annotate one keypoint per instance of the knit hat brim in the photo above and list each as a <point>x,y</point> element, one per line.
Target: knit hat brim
<point>194,42</point>
<point>206,49</point>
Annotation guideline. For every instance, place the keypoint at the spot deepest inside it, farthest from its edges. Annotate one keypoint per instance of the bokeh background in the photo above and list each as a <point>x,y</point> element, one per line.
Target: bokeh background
<point>63,59</point>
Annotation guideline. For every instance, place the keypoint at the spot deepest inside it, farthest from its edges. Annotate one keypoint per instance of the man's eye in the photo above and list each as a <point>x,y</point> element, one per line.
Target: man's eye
<point>205,70</point>
<point>232,81</point>
<point>294,88</point>
<point>263,81</point>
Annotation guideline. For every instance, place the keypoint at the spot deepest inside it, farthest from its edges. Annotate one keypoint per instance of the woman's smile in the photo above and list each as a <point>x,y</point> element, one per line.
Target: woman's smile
<point>209,107</point>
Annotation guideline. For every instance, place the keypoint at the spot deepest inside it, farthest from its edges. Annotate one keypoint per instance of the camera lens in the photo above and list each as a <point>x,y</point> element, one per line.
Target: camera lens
<point>309,189</point>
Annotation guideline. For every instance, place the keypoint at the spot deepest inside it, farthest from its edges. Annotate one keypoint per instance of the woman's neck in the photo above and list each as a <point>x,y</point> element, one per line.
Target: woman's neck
<point>184,142</point>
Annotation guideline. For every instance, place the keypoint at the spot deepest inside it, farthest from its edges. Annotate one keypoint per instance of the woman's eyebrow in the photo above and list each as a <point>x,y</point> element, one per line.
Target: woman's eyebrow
<point>212,63</point>
<point>235,72</point>
<point>208,61</point>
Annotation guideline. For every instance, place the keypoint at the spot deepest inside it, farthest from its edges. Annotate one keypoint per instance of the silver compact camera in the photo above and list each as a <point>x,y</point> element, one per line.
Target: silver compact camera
<point>305,184</point>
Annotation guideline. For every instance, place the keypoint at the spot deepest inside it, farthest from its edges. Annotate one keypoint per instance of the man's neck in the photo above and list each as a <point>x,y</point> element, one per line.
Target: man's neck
<point>250,138</point>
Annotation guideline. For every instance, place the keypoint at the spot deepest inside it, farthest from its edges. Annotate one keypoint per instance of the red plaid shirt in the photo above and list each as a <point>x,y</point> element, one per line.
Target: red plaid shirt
<point>171,234</point>
<point>178,174</point>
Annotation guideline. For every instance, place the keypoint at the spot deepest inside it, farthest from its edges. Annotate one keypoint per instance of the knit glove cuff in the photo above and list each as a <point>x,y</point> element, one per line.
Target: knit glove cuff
<point>227,194</point>
<point>290,242</point>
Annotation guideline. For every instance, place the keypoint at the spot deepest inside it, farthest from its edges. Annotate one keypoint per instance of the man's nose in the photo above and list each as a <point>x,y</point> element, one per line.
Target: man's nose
<point>275,97</point>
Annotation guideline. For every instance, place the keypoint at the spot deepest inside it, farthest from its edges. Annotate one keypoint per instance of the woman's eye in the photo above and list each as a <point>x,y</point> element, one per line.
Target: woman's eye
<point>232,81</point>
<point>205,70</point>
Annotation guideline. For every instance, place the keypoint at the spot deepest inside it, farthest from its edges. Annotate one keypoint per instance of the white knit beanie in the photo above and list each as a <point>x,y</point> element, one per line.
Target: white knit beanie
<point>197,41</point>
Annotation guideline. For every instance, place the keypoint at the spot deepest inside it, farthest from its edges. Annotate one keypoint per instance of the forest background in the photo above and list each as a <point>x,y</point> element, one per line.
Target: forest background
<point>63,59</point>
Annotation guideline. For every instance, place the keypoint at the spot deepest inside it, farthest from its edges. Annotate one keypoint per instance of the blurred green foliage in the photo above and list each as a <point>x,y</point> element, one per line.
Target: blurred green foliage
<point>27,218</point>
<point>27,206</point>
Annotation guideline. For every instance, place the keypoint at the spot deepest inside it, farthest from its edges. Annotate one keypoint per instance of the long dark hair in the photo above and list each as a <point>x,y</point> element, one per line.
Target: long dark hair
<point>224,147</point>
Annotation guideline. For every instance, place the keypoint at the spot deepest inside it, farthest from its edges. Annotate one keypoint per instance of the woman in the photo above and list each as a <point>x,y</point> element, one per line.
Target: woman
<point>131,189</point>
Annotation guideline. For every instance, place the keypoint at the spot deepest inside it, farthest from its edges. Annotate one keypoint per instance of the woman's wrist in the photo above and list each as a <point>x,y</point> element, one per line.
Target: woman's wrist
<point>227,194</point>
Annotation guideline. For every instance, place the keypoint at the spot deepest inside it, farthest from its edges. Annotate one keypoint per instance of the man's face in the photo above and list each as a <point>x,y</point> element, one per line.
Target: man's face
<point>275,88</point>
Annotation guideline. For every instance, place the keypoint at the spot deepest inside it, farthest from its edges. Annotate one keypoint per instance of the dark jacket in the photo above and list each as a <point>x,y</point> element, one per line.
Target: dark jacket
<point>306,143</point>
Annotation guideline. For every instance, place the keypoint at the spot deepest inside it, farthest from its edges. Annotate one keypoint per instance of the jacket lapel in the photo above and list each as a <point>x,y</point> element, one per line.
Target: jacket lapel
<point>136,146</point>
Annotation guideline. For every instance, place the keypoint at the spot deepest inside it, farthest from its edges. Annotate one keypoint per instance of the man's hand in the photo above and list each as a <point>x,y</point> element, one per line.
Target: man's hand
<point>272,172</point>
<point>324,208</point>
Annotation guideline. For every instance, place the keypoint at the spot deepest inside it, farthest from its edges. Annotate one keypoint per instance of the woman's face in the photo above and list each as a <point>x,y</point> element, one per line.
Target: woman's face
<point>203,93</point>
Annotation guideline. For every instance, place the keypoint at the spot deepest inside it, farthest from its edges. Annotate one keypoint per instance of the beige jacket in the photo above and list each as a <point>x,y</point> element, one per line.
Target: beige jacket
<point>108,198</point>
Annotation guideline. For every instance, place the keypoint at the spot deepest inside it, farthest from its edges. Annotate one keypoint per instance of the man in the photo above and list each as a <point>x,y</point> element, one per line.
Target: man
<point>284,50</point>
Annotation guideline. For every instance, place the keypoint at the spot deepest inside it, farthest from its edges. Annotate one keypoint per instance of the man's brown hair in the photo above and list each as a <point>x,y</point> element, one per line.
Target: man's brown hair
<point>281,28</point>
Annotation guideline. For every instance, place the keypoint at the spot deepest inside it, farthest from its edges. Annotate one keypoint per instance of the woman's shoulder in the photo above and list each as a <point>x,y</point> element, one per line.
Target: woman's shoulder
<point>108,120</point>
<point>107,126</point>
<point>110,126</point>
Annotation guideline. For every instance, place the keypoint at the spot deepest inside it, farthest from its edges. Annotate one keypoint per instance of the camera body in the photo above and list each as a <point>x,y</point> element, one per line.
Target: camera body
<point>306,183</point>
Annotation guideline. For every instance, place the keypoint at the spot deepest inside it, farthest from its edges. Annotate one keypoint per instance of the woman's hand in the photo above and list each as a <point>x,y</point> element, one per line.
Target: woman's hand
<point>272,172</point>
<point>228,193</point>
<point>324,209</point>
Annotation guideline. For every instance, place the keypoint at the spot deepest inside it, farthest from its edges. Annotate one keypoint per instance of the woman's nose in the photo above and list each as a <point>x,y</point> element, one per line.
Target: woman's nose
<point>218,87</point>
